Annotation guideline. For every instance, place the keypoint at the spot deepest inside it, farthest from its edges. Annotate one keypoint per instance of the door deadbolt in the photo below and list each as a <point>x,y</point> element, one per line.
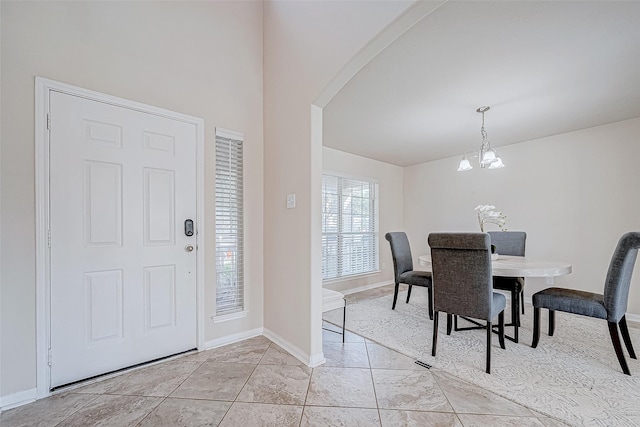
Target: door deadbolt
<point>188,227</point>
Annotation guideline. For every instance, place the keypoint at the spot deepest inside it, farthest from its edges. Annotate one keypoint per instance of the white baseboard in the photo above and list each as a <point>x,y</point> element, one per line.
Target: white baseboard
<point>18,399</point>
<point>364,288</point>
<point>310,360</point>
<point>230,339</point>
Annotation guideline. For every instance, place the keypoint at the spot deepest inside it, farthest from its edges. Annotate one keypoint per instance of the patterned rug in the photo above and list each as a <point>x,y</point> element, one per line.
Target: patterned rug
<point>573,376</point>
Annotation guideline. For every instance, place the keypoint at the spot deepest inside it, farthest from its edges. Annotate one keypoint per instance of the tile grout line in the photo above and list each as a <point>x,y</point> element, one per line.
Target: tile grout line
<point>306,396</point>
<point>172,391</point>
<point>245,383</point>
<point>77,410</point>
<point>373,384</point>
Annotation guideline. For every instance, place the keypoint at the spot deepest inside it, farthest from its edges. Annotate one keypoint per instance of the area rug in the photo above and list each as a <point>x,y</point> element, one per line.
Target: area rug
<point>573,376</point>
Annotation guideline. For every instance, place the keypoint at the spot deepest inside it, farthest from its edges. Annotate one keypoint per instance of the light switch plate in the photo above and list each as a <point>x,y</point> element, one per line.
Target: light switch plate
<point>291,201</point>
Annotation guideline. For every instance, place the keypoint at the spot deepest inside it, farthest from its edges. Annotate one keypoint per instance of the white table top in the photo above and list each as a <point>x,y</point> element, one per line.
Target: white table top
<point>517,266</point>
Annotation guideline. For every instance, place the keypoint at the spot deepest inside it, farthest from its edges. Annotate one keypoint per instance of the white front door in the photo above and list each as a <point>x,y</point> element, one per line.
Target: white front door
<point>123,275</point>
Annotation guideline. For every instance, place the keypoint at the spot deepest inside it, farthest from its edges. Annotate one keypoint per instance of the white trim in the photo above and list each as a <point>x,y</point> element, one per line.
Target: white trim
<point>315,241</point>
<point>362,288</point>
<point>230,339</point>
<point>200,237</point>
<point>42,88</point>
<point>349,176</point>
<point>18,399</point>
<point>351,277</point>
<point>414,14</point>
<point>310,360</point>
<point>232,316</point>
<point>317,360</point>
<point>632,317</point>
<point>230,134</point>
<point>43,378</point>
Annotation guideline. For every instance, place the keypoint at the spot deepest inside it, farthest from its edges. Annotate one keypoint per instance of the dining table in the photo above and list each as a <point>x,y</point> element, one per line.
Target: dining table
<point>517,266</point>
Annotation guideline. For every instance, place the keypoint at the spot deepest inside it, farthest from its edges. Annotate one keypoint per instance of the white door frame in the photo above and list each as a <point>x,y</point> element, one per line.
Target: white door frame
<point>43,262</point>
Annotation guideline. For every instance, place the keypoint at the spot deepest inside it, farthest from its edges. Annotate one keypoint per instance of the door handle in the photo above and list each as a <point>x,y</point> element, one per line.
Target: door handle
<point>188,248</point>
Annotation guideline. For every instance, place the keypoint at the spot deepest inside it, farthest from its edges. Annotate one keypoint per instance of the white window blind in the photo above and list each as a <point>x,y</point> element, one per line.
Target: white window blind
<point>229,224</point>
<point>349,227</point>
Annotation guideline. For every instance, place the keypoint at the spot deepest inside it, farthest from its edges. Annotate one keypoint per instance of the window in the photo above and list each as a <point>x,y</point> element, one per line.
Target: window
<point>229,223</point>
<point>349,227</point>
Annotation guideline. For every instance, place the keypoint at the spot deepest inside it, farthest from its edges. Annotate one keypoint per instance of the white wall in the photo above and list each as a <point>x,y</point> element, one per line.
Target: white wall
<point>390,204</point>
<point>574,194</point>
<point>305,45</point>
<point>199,58</point>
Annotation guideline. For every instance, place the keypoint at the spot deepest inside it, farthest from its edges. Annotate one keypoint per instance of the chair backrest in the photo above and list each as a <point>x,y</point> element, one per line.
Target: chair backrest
<point>616,286</point>
<point>509,242</point>
<point>400,252</point>
<point>461,273</point>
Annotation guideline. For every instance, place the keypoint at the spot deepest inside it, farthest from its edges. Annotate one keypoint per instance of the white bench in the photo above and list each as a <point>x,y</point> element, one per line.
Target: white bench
<point>332,300</point>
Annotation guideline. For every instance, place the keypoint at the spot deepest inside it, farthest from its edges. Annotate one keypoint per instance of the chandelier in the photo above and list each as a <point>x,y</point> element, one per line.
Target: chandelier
<point>487,156</point>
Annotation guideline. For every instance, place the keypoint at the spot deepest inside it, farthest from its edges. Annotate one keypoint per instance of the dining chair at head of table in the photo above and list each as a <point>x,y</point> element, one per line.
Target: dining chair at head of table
<point>403,268</point>
<point>463,284</point>
<point>511,243</point>
<point>611,305</point>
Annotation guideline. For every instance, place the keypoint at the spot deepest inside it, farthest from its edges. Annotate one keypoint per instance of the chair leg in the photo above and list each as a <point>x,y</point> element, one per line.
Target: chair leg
<point>515,313</point>
<point>515,306</point>
<point>536,326</point>
<point>626,337</point>
<point>344,318</point>
<point>435,333</point>
<point>615,339</point>
<point>552,322</point>
<point>395,296</point>
<point>501,329</point>
<point>430,296</point>
<point>489,333</point>
<point>409,294</point>
<point>522,301</point>
<point>449,317</point>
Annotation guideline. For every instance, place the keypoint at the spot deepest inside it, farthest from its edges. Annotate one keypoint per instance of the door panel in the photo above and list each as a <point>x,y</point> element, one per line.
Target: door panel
<point>123,288</point>
<point>103,204</point>
<point>160,302</point>
<point>103,291</point>
<point>159,206</point>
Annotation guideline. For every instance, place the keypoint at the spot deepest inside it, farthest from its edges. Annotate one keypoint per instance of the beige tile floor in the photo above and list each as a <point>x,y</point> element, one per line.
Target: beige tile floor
<point>257,383</point>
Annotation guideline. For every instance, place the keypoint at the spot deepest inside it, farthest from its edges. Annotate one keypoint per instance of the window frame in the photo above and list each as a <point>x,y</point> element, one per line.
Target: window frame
<point>235,223</point>
<point>374,225</point>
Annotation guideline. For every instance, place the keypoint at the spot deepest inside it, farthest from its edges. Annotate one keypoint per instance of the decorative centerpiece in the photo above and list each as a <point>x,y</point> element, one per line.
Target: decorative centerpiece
<point>487,215</point>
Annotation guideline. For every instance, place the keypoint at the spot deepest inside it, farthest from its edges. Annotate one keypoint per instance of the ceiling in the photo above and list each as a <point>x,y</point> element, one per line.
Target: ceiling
<point>543,67</point>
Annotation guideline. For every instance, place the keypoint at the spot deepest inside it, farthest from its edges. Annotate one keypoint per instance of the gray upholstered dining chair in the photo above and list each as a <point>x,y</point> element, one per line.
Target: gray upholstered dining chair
<point>463,283</point>
<point>403,268</point>
<point>511,243</point>
<point>612,305</point>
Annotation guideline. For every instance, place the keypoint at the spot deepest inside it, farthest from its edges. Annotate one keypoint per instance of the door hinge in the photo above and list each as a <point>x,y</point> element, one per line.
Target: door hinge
<point>50,358</point>
<point>49,238</point>
<point>48,121</point>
